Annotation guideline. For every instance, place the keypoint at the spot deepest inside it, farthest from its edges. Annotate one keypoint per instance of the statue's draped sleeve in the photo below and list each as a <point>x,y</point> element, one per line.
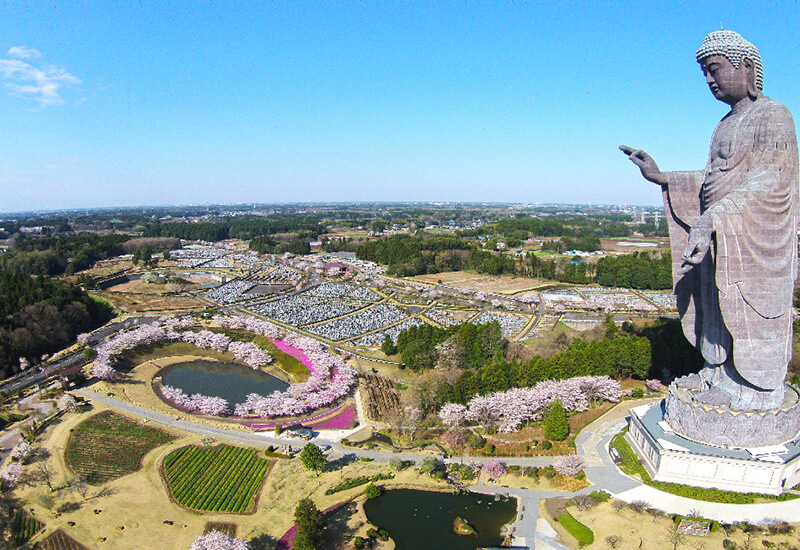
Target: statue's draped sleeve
<point>682,206</point>
<point>754,260</point>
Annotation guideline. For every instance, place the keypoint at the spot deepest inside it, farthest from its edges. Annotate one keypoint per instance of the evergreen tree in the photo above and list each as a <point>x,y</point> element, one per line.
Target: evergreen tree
<point>388,346</point>
<point>311,524</point>
<point>312,458</point>
<point>556,426</point>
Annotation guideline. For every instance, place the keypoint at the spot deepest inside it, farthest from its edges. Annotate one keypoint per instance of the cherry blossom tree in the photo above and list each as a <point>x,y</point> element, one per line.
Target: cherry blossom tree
<point>67,402</point>
<point>569,465</point>
<point>494,469</point>
<point>10,475</point>
<point>453,414</point>
<point>22,451</point>
<point>655,385</point>
<point>509,410</point>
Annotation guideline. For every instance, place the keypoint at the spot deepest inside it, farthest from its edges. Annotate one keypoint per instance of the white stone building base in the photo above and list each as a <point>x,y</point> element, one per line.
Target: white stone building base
<point>672,458</point>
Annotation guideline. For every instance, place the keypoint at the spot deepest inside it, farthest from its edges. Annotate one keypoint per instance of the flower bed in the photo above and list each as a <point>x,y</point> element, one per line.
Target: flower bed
<point>307,421</point>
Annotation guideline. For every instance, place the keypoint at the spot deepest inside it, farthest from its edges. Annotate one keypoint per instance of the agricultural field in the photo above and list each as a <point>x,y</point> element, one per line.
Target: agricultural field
<point>383,399</point>
<point>138,303</point>
<point>24,526</point>
<point>485,283</point>
<point>108,446</point>
<point>219,479</point>
<point>59,540</point>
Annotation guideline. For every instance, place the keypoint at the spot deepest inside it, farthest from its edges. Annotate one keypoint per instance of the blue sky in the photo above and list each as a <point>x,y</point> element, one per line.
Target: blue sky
<point>107,104</point>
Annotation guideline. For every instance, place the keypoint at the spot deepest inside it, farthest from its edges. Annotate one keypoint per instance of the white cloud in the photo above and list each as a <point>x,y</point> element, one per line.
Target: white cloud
<point>42,83</point>
<point>24,52</point>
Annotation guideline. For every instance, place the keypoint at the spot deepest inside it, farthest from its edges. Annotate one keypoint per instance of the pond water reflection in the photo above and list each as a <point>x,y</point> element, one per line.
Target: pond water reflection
<point>229,381</point>
<point>423,520</point>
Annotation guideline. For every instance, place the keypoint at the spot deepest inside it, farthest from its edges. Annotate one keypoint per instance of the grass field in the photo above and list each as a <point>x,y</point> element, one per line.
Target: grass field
<point>108,446</point>
<point>219,479</point>
<point>292,366</point>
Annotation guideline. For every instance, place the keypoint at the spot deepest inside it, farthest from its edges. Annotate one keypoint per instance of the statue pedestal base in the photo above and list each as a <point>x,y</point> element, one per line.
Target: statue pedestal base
<point>671,457</point>
<point>724,427</point>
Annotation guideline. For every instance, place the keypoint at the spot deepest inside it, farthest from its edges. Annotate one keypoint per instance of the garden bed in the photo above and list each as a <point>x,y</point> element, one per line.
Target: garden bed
<point>108,446</point>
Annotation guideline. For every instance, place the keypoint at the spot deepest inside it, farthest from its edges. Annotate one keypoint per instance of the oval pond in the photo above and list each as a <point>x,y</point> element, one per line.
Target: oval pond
<point>229,381</point>
<point>423,520</point>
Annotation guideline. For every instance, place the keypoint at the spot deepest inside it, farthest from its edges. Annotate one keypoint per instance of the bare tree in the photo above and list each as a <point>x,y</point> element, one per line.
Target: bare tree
<point>614,541</point>
<point>618,505</point>
<point>44,472</point>
<point>79,485</point>
<point>675,538</point>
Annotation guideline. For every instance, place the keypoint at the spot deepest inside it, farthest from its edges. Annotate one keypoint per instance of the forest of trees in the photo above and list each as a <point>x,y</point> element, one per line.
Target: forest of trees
<point>638,270</point>
<point>61,254</point>
<point>653,352</point>
<point>244,227</point>
<point>469,344</point>
<point>40,315</point>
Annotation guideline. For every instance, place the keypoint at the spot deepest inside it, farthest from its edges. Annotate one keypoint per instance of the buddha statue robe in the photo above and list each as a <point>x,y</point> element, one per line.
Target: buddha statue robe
<point>736,306</point>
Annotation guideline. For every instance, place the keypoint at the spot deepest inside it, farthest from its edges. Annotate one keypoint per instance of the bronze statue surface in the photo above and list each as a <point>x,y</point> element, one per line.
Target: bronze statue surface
<point>733,233</point>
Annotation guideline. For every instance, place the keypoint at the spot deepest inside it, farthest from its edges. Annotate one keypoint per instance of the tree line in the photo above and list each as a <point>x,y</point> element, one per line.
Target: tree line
<point>243,227</point>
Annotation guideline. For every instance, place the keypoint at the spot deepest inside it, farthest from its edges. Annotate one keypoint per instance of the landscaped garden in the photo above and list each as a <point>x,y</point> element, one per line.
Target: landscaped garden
<point>219,479</point>
<point>107,446</point>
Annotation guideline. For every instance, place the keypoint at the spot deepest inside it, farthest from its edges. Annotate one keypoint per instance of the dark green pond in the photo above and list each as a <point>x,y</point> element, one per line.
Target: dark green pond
<point>423,520</point>
<point>229,381</point>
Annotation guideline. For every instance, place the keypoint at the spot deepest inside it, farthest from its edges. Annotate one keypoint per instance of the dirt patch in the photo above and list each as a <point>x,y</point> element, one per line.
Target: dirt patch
<point>474,281</point>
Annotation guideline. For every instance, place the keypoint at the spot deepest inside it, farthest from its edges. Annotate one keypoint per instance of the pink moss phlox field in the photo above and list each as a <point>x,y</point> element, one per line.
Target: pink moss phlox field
<point>308,422</point>
<point>286,542</point>
<point>297,353</point>
<point>341,421</point>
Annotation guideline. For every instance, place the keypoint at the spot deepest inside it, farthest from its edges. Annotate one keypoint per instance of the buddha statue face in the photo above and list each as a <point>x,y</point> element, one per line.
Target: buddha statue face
<point>729,84</point>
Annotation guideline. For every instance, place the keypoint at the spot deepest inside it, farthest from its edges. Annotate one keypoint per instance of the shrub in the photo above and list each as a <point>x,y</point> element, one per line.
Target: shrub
<point>534,473</point>
<point>488,449</point>
<point>372,491</point>
<point>373,534</point>
<point>475,441</point>
<point>358,543</point>
<point>637,393</point>
<point>546,445</point>
<point>549,474</point>
<point>278,429</point>
<point>600,496</point>
<point>728,544</point>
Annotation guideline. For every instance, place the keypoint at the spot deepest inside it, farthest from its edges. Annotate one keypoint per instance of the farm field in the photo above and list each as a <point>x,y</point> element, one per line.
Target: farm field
<point>24,526</point>
<point>59,540</point>
<point>219,479</point>
<point>108,446</point>
<point>134,303</point>
<point>466,279</point>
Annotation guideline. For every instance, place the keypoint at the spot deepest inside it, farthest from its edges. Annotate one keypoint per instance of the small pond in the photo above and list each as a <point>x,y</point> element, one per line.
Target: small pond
<point>423,520</point>
<point>229,381</point>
